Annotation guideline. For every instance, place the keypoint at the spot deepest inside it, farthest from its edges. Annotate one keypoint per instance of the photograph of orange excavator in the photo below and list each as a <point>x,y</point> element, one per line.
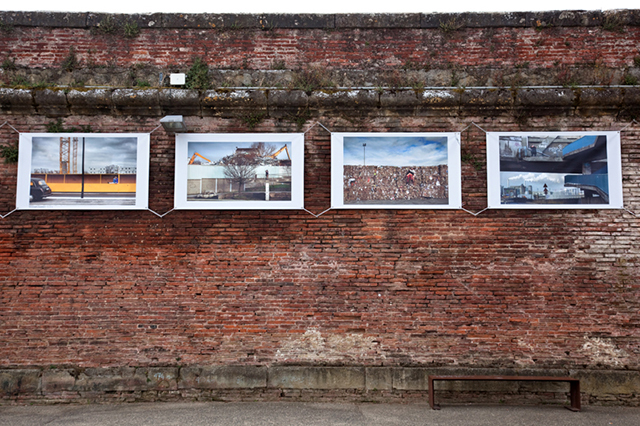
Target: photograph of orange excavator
<point>220,171</point>
<point>195,154</point>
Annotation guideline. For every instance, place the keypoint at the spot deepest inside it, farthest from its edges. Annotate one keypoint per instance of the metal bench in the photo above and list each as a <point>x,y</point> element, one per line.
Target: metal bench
<point>574,390</point>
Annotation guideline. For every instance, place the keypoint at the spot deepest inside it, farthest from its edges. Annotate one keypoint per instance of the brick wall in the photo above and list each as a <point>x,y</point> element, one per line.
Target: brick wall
<point>389,295</point>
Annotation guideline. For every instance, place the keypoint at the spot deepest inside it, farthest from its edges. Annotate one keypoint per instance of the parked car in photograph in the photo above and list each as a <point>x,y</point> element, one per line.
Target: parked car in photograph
<point>39,189</point>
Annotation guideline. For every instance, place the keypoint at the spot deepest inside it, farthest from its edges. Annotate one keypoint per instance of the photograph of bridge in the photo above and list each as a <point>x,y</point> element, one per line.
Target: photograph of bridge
<point>556,169</point>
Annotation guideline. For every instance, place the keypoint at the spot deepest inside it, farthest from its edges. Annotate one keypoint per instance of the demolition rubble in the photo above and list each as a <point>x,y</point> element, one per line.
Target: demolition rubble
<point>369,184</point>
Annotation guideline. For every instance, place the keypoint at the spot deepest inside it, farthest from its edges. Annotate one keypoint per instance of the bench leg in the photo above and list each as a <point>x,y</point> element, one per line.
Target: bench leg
<point>432,396</point>
<point>574,394</point>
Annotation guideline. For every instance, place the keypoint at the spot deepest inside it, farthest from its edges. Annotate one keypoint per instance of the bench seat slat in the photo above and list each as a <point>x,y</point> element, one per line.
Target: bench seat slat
<point>512,378</point>
<point>574,391</point>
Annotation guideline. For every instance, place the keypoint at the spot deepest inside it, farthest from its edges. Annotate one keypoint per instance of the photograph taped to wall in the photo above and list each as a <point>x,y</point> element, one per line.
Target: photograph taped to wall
<point>83,171</point>
<point>552,170</point>
<point>395,171</point>
<point>258,171</point>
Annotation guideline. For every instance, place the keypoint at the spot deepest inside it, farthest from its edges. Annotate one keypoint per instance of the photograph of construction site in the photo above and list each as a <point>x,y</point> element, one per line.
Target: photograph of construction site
<point>395,170</point>
<point>82,171</point>
<point>554,170</point>
<point>239,172</point>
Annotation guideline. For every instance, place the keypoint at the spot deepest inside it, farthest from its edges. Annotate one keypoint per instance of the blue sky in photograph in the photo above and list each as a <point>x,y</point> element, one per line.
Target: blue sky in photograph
<point>395,151</point>
<point>215,151</point>
<point>554,181</point>
<point>100,152</point>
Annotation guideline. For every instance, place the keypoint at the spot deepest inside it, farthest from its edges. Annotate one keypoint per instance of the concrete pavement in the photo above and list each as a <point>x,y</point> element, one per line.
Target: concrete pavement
<point>310,414</point>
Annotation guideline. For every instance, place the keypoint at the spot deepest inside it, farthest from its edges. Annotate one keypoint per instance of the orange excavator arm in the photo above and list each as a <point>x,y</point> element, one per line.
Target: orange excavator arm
<point>284,148</point>
<point>193,157</point>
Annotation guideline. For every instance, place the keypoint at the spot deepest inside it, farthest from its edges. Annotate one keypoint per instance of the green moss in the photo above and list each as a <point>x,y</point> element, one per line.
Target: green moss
<point>5,28</point>
<point>71,62</point>
<point>278,65</point>
<point>301,117</point>
<point>198,75</point>
<point>41,85</point>
<point>630,80</point>
<point>18,81</point>
<point>252,119</point>
<point>9,65</point>
<point>411,65</point>
<point>141,83</point>
<point>470,159</point>
<point>451,25</point>
<point>10,154</point>
<point>312,79</point>
<point>108,25</point>
<point>455,79</point>
<point>613,23</point>
<point>131,29</point>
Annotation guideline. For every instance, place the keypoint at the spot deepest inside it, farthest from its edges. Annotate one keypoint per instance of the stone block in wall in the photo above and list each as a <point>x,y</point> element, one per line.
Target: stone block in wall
<point>45,19</point>
<point>287,103</point>
<point>223,377</point>
<point>231,21</point>
<point>55,380</point>
<point>51,103</point>
<point>161,378</point>
<point>137,102</point>
<point>231,103</point>
<point>630,17</point>
<point>110,379</point>
<point>632,101</point>
<point>486,101</point>
<point>474,20</point>
<point>90,102</point>
<point>179,101</point>
<point>481,20</point>
<point>601,99</point>
<point>378,20</point>
<point>317,377</point>
<point>544,101</point>
<point>408,378</point>
<point>400,99</point>
<point>16,101</point>
<point>355,100</point>
<point>378,378</point>
<point>296,20</point>
<point>608,382</point>
<point>577,18</point>
<point>151,20</point>
<point>448,99</point>
<point>17,382</point>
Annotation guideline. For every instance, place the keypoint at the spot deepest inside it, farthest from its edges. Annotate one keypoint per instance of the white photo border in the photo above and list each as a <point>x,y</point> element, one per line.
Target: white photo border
<point>25,162</point>
<point>614,164</point>
<point>297,171</point>
<point>453,162</point>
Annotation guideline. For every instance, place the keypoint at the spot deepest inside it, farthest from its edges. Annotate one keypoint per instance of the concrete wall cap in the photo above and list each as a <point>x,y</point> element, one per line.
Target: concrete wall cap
<point>443,21</point>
